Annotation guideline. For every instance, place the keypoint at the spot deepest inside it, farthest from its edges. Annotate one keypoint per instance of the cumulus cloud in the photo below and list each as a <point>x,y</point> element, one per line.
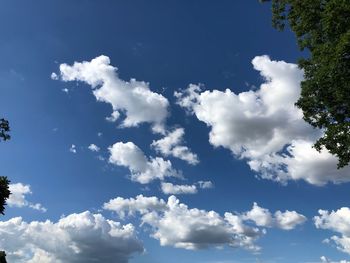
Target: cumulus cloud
<point>264,127</point>
<point>338,221</point>
<point>176,189</point>
<point>78,238</point>
<point>284,220</point>
<point>327,260</point>
<point>175,224</point>
<point>18,198</point>
<point>73,148</point>
<point>130,206</point>
<point>54,76</point>
<point>142,169</point>
<point>94,148</point>
<point>171,145</point>
<point>169,188</point>
<point>132,98</point>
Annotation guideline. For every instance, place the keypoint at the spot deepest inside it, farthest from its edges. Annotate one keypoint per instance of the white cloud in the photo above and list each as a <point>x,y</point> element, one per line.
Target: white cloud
<point>284,220</point>
<point>114,116</point>
<point>130,206</point>
<point>260,125</point>
<point>171,145</point>
<point>169,188</point>
<point>338,221</point>
<point>18,195</point>
<point>174,224</point>
<point>205,184</point>
<point>94,148</point>
<point>54,76</point>
<point>133,98</point>
<point>142,169</point>
<point>73,149</point>
<point>326,260</point>
<point>78,238</point>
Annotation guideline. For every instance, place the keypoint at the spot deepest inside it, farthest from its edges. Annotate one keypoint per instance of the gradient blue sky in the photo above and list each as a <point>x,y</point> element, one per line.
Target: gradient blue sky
<point>169,44</point>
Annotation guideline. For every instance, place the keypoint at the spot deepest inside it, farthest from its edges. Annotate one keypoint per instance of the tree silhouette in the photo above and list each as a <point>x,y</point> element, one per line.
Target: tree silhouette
<point>323,28</point>
<point>4,130</point>
<point>4,181</point>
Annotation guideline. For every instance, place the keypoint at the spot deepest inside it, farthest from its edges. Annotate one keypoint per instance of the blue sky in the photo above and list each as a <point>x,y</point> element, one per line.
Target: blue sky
<point>236,129</point>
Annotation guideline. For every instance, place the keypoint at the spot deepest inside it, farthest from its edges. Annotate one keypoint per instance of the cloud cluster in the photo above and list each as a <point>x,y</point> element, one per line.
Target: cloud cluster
<point>338,221</point>
<point>171,145</point>
<point>264,126</point>
<point>327,260</point>
<point>73,148</point>
<point>134,99</point>
<point>175,224</point>
<point>18,195</point>
<point>77,238</point>
<point>142,169</point>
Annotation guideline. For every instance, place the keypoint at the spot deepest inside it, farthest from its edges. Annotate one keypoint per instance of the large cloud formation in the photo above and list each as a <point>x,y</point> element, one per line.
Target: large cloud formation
<point>77,238</point>
<point>175,224</point>
<point>142,169</point>
<point>264,126</point>
<point>133,98</point>
<point>338,221</point>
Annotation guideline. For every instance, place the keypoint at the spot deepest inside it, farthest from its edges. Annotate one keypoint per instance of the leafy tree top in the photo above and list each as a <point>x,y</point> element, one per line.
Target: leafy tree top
<point>323,28</point>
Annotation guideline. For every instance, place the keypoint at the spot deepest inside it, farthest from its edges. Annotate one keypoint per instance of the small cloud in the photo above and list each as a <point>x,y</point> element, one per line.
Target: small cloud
<point>101,158</point>
<point>65,90</point>
<point>99,134</point>
<point>114,116</point>
<point>94,148</point>
<point>54,76</point>
<point>205,184</point>
<point>73,149</point>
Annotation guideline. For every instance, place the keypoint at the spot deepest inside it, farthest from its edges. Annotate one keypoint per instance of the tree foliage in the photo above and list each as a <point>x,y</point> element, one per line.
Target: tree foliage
<point>323,28</point>
<point>4,182</point>
<point>4,130</point>
<point>4,192</point>
<point>3,257</point>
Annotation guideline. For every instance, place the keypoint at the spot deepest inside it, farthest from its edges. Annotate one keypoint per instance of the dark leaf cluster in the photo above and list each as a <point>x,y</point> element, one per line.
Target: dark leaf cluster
<point>4,130</point>
<point>322,27</point>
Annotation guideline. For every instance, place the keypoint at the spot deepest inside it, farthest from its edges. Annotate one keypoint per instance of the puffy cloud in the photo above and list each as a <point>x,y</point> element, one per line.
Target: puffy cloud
<point>326,260</point>
<point>285,220</point>
<point>94,148</point>
<point>338,221</point>
<point>133,98</point>
<point>18,195</point>
<point>83,237</point>
<point>171,145</point>
<point>169,188</point>
<point>143,170</point>
<point>73,148</point>
<point>140,204</point>
<point>175,224</point>
<point>264,126</point>
<point>54,76</point>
